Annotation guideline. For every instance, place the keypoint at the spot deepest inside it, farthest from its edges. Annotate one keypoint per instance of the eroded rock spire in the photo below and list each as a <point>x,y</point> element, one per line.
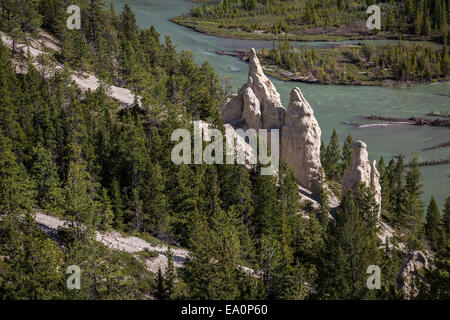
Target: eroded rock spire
<point>300,146</point>
<point>362,171</point>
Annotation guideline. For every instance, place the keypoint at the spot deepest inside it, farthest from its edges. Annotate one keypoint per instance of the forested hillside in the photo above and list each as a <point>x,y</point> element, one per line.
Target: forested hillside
<point>83,158</point>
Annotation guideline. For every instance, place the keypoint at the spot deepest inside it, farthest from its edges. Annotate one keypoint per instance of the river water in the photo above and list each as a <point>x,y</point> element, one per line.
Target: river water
<point>332,105</point>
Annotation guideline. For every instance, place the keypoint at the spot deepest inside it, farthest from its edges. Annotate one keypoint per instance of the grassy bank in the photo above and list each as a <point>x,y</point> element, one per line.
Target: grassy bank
<point>217,29</point>
<point>313,20</point>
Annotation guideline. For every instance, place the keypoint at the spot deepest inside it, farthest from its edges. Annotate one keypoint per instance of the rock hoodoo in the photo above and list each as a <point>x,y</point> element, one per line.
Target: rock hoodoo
<point>300,145</point>
<point>258,105</point>
<point>361,170</point>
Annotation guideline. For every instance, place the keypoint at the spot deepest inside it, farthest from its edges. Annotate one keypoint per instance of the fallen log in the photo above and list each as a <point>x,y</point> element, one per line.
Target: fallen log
<point>442,145</point>
<point>433,162</point>
<point>413,120</point>
<point>241,54</point>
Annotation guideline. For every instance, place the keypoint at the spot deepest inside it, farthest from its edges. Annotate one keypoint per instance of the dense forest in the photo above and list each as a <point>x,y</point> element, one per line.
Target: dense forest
<point>426,19</point>
<point>87,160</point>
<point>364,64</point>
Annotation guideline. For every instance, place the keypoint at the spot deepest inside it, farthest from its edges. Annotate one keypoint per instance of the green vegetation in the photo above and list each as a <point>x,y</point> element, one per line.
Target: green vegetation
<point>98,166</point>
<point>310,20</point>
<point>358,65</point>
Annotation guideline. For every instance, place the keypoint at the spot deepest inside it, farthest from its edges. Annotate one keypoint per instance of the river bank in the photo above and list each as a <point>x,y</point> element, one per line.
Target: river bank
<point>214,28</point>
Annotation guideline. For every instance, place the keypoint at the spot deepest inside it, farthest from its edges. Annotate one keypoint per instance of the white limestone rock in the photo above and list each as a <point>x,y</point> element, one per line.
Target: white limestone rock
<point>271,108</point>
<point>251,112</point>
<point>410,272</point>
<point>300,145</point>
<point>362,171</point>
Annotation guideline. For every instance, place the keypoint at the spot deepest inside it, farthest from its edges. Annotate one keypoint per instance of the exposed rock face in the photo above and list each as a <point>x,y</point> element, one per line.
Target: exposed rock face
<point>251,112</point>
<point>258,105</point>
<point>300,145</point>
<point>268,96</point>
<point>361,170</point>
<point>232,108</point>
<point>375,184</point>
<point>409,272</point>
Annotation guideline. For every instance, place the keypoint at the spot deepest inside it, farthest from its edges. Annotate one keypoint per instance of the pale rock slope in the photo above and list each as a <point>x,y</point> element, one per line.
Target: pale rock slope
<point>85,81</point>
<point>410,272</point>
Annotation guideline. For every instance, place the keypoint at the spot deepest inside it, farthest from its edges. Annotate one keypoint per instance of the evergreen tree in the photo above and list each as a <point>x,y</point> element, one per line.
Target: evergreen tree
<point>347,152</point>
<point>348,253</point>
<point>433,224</point>
<point>333,158</point>
<point>266,217</point>
<point>16,188</point>
<point>446,217</point>
<point>435,286</point>
<point>385,189</point>
<point>413,202</point>
<point>45,175</point>
<point>396,176</point>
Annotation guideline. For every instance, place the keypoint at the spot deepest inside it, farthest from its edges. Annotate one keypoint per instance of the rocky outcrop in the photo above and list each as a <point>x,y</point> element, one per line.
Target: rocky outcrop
<point>232,109</point>
<point>362,171</point>
<point>300,145</point>
<point>251,112</point>
<point>375,184</point>
<point>268,96</point>
<point>258,105</point>
<point>409,273</point>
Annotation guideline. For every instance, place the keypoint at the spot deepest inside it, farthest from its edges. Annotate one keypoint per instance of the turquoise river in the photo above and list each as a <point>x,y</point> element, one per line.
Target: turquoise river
<point>333,105</point>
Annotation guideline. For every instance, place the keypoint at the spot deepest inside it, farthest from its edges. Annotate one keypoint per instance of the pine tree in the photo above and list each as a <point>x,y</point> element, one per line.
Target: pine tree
<point>347,152</point>
<point>333,158</point>
<point>236,189</point>
<point>418,22</point>
<point>266,217</point>
<point>170,276</point>
<point>350,250</point>
<point>433,224</point>
<point>324,210</point>
<point>413,203</point>
<point>31,262</point>
<point>45,175</point>
<point>385,189</point>
<point>288,192</point>
<point>434,285</point>
<point>211,270</point>
<point>446,217</point>
<point>399,193</point>
<point>16,188</point>
<point>158,207</point>
<point>160,293</point>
